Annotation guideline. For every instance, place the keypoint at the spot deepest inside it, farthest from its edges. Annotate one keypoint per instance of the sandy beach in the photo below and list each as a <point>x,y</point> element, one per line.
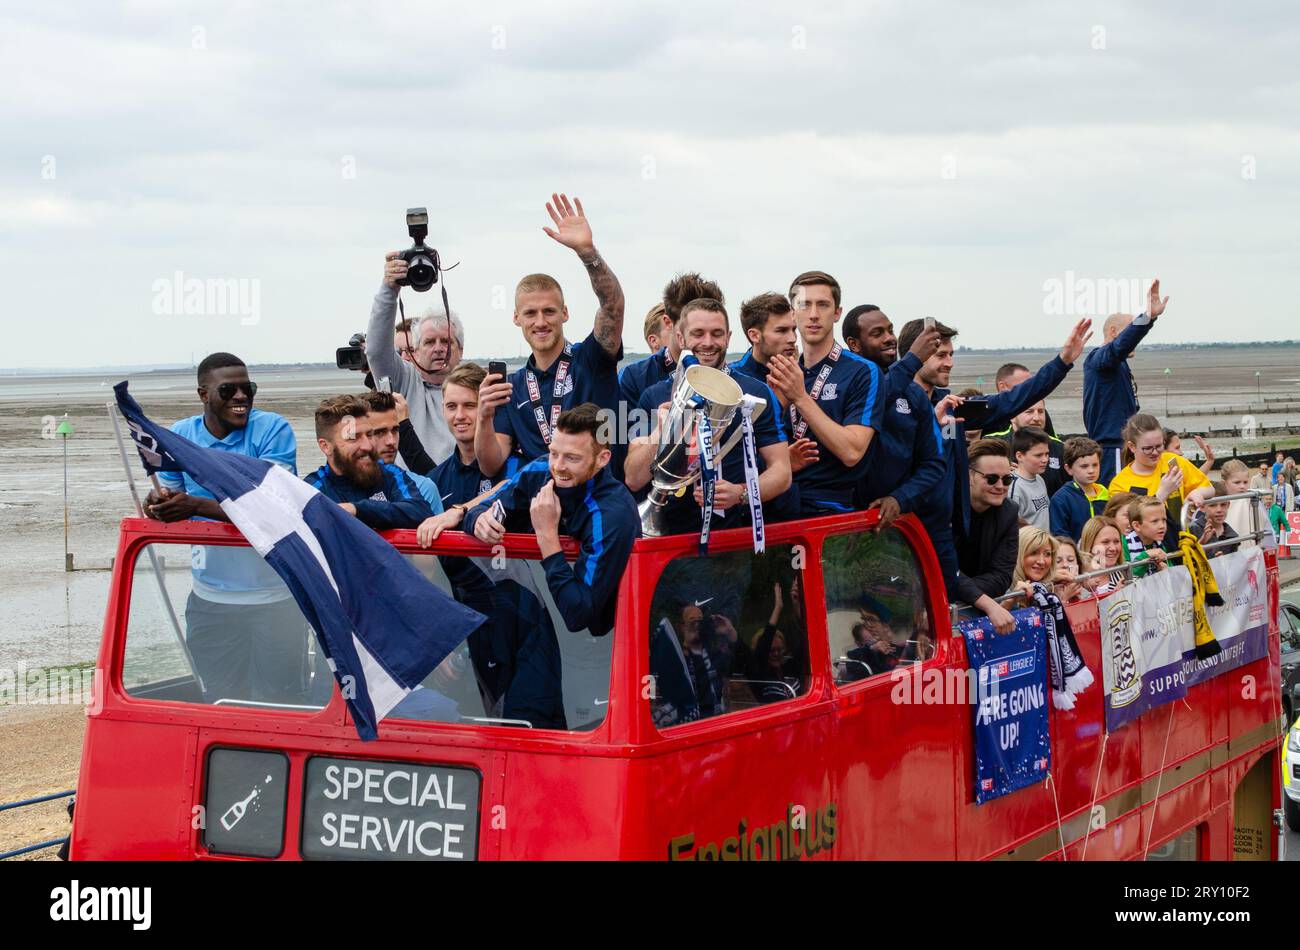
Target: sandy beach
<point>41,749</point>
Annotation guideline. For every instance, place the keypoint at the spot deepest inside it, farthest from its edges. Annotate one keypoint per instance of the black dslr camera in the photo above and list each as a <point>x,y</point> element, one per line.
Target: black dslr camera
<point>422,260</point>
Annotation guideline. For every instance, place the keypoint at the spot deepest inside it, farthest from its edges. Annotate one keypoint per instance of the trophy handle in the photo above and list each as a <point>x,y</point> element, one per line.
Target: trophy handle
<point>759,406</point>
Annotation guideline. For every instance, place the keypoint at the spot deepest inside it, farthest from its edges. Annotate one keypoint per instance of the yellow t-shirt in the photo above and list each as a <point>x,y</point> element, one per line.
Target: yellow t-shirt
<point>1193,478</point>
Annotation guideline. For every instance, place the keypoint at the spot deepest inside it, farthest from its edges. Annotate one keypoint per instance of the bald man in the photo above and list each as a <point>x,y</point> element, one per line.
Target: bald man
<point>1109,392</point>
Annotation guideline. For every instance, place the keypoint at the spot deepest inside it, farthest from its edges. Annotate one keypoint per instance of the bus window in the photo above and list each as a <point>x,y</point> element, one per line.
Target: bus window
<point>523,667</point>
<point>726,633</point>
<point>876,615</point>
<point>245,641</point>
<point>248,643</point>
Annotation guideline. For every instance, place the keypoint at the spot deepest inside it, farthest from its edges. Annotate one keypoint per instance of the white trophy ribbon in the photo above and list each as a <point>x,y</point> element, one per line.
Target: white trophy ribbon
<point>747,404</point>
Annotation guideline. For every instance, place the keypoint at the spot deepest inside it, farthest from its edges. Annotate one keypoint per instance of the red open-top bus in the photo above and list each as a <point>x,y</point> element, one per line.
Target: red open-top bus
<point>811,754</point>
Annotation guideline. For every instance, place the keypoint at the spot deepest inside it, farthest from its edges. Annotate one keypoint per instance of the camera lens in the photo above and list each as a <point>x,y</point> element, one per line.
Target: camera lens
<point>421,273</point>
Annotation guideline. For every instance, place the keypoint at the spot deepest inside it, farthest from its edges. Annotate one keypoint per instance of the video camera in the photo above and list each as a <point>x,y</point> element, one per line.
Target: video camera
<point>352,356</point>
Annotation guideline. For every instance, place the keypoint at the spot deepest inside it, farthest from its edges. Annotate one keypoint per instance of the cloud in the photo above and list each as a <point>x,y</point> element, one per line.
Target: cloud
<point>939,158</point>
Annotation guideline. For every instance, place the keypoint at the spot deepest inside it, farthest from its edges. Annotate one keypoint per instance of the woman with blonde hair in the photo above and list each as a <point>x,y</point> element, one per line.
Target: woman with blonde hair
<point>1035,563</point>
<point>1103,542</point>
<point>1035,558</point>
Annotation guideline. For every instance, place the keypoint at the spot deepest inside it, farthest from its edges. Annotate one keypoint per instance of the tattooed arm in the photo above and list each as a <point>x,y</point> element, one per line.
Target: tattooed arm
<point>609,318</point>
<point>573,231</point>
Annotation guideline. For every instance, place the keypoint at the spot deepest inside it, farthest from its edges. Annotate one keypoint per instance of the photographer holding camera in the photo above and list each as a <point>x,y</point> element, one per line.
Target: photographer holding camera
<point>430,349</point>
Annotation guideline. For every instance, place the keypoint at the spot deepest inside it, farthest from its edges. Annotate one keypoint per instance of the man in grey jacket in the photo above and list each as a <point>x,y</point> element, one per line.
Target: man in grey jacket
<point>430,350</point>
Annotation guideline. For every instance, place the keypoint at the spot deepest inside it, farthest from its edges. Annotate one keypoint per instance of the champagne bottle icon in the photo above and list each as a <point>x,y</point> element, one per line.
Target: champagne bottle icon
<point>235,813</point>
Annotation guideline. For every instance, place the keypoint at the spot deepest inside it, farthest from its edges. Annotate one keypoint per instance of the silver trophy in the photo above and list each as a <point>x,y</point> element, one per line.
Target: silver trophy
<point>699,390</point>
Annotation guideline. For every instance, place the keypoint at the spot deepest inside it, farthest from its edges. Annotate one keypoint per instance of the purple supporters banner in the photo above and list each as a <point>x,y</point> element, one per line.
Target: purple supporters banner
<point>1147,642</point>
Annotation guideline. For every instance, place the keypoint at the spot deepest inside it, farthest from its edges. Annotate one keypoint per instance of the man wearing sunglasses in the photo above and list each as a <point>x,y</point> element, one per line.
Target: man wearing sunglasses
<point>228,423</point>
<point>243,627</point>
<point>986,555</point>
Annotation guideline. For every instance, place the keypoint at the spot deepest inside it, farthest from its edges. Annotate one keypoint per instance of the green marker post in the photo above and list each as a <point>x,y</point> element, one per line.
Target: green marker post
<point>64,430</point>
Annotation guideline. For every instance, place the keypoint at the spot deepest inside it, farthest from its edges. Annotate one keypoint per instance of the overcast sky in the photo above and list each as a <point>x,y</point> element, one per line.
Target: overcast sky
<point>944,159</point>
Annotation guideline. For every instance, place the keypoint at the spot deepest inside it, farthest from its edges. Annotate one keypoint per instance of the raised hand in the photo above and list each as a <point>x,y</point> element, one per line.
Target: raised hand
<point>1066,588</point>
<point>1074,344</point>
<point>574,232</point>
<point>926,344</point>
<point>724,626</point>
<point>394,268</point>
<point>786,379</point>
<point>1170,481</point>
<point>1155,305</point>
<point>492,396</point>
<point>803,452</point>
<point>944,407</point>
<point>571,227</point>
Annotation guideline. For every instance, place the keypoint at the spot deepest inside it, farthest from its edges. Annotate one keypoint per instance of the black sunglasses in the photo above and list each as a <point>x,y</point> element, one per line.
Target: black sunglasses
<point>992,480</point>
<point>227,390</point>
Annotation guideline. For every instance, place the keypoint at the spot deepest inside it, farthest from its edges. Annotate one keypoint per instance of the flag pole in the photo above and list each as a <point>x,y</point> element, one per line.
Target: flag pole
<point>153,558</point>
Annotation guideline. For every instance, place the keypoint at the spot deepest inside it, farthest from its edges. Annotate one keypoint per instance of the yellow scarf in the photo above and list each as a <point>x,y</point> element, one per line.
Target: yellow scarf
<point>1204,590</point>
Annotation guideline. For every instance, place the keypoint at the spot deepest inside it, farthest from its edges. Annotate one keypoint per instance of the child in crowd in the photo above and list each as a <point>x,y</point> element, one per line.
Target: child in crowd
<point>1210,523</point>
<point>1283,501</point>
<point>1068,565</point>
<point>1236,480</point>
<point>1082,497</point>
<point>1142,542</point>
<point>1031,449</point>
<point>1103,544</point>
<point>1117,508</point>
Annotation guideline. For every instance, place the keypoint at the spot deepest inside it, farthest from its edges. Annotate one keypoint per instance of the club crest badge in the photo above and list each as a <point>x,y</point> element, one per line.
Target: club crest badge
<point>1126,685</point>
